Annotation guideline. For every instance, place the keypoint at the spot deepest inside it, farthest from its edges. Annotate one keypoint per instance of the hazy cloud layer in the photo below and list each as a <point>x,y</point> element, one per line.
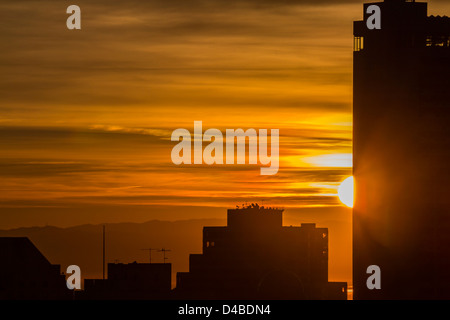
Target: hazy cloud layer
<point>62,167</point>
<point>87,115</point>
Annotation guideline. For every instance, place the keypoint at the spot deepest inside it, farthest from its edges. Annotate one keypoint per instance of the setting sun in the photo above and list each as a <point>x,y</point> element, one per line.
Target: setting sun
<point>345,192</point>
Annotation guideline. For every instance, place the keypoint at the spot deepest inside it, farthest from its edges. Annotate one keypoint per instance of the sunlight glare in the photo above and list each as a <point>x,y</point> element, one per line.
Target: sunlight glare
<point>345,192</point>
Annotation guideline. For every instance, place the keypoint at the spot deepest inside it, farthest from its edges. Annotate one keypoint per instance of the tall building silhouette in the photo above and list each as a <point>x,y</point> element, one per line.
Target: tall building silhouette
<point>401,217</point>
<point>255,257</point>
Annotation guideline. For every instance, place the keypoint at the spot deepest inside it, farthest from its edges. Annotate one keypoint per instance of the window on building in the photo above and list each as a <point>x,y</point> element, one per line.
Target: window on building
<point>358,44</point>
<point>438,41</point>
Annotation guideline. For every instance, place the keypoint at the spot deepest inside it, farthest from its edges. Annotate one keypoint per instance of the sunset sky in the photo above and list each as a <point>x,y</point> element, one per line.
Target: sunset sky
<point>86,115</point>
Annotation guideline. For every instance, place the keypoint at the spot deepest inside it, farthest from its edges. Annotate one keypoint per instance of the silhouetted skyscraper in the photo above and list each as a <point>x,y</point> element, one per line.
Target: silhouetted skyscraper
<point>401,219</point>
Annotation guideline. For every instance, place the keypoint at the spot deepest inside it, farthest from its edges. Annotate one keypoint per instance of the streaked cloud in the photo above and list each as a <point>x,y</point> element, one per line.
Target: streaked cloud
<point>86,116</point>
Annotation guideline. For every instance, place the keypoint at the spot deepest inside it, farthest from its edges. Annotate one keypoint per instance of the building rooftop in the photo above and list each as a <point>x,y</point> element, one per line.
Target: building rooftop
<point>254,207</point>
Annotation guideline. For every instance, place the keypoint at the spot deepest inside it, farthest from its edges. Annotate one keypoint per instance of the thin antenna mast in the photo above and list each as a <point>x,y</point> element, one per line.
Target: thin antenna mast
<point>150,252</point>
<point>164,250</point>
<point>104,232</point>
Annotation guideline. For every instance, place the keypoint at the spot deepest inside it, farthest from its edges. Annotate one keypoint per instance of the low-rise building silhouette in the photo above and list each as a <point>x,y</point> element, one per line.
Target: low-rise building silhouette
<point>131,281</point>
<point>25,274</point>
<point>255,257</point>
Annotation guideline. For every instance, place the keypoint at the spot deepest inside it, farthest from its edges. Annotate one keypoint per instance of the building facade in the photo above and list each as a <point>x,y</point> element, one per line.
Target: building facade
<point>401,152</point>
<point>255,257</point>
<point>25,274</point>
<point>128,281</point>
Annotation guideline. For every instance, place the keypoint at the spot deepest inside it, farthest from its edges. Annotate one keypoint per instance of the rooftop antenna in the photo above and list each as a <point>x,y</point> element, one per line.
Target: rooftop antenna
<point>150,253</point>
<point>103,261</point>
<point>164,250</point>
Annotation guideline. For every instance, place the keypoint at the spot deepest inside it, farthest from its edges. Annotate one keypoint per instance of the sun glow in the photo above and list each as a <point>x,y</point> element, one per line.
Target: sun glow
<point>338,160</point>
<point>345,192</point>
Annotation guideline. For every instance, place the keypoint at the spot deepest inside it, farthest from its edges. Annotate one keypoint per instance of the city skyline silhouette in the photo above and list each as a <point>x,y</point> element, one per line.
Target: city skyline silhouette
<point>85,128</point>
<point>253,257</point>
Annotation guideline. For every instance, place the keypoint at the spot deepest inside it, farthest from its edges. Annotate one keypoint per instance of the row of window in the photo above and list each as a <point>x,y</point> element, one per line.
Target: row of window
<point>431,41</point>
<point>438,41</point>
<point>358,44</point>
<point>210,244</point>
